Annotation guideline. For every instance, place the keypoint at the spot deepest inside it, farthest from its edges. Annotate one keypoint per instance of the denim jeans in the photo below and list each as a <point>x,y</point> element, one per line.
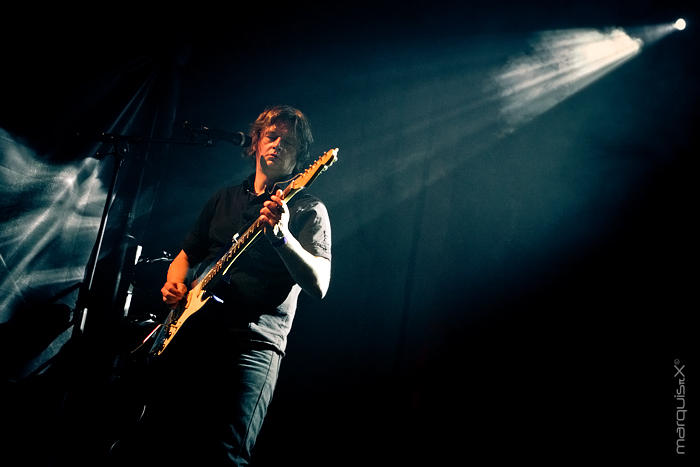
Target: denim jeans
<point>255,375</point>
<point>209,403</point>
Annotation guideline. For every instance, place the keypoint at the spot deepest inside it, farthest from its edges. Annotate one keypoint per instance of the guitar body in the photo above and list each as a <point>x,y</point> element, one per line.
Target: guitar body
<point>173,322</point>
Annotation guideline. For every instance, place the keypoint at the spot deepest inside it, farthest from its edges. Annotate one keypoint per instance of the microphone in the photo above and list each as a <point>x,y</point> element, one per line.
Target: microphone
<point>237,138</point>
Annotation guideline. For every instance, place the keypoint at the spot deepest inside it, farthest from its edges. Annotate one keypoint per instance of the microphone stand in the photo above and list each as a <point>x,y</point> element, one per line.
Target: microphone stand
<point>83,346</point>
<point>119,149</point>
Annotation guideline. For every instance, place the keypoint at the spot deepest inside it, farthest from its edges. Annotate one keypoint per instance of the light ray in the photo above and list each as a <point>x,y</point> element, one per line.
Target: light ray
<point>56,207</point>
<point>560,64</point>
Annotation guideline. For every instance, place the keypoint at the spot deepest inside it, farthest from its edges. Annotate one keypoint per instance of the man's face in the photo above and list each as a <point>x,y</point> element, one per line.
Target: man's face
<point>277,151</point>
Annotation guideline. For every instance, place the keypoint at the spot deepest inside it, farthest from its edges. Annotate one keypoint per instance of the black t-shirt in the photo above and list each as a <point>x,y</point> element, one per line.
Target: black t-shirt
<point>259,296</point>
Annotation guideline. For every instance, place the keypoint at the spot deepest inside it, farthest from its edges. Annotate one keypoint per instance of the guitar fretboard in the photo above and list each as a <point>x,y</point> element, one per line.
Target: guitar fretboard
<point>252,233</point>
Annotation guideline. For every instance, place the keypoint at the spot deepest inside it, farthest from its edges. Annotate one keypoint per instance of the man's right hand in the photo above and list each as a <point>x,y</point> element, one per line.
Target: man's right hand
<point>173,292</point>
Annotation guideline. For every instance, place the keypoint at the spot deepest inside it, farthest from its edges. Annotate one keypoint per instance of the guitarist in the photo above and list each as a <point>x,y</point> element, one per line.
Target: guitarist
<point>219,374</point>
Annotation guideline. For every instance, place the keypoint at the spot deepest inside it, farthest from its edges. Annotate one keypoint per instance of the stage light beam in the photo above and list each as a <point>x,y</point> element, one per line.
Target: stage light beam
<point>560,64</point>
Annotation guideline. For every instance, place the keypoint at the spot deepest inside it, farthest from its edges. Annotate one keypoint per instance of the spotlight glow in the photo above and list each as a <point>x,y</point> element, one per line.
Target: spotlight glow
<point>561,63</point>
<point>679,24</point>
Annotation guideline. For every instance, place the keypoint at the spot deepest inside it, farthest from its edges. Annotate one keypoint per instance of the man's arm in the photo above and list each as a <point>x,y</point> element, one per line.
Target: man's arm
<point>312,273</point>
<point>175,288</point>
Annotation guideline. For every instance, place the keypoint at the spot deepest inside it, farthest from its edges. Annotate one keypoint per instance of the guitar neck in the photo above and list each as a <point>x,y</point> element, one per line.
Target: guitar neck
<point>252,233</point>
<point>247,238</point>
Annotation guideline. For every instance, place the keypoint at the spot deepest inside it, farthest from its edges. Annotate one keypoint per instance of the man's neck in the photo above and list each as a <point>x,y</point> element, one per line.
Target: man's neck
<point>260,183</point>
<point>264,182</point>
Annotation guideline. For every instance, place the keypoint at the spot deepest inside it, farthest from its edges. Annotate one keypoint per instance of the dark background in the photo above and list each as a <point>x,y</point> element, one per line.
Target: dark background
<point>494,294</point>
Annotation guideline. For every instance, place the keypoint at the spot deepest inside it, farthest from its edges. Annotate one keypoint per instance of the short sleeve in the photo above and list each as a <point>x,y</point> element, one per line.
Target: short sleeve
<point>310,224</point>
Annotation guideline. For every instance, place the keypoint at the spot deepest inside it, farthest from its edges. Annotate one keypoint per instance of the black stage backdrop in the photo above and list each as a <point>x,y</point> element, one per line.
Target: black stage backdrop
<point>513,244</point>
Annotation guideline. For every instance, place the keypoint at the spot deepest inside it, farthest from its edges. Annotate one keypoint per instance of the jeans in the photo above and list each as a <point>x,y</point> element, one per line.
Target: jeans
<point>243,413</point>
<point>208,402</point>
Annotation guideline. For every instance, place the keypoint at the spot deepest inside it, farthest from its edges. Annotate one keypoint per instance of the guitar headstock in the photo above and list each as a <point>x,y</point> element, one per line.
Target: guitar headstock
<point>319,166</point>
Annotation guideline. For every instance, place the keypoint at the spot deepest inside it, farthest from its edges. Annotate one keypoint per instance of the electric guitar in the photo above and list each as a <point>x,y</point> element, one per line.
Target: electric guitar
<point>198,296</point>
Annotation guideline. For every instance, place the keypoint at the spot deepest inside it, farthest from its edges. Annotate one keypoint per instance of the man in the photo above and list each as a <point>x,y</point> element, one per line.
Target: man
<point>222,366</point>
